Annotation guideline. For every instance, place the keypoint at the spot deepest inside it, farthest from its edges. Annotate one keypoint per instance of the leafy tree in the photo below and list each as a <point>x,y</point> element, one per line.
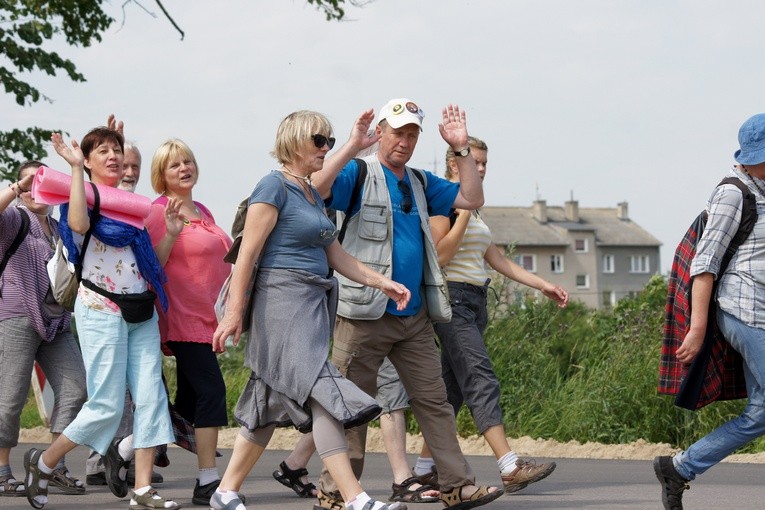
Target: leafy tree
<point>26,29</point>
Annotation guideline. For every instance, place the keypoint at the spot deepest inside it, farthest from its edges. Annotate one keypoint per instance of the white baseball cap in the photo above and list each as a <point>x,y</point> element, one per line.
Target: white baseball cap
<point>400,112</point>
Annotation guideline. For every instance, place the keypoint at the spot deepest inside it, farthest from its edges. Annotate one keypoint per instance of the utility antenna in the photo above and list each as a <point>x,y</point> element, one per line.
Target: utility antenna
<point>536,191</point>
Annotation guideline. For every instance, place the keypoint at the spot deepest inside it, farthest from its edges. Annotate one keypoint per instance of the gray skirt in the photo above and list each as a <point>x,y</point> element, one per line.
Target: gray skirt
<point>260,406</point>
<point>293,312</point>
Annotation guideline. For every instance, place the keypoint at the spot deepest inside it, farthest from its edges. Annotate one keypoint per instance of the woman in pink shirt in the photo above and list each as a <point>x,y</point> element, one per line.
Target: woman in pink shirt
<point>191,247</point>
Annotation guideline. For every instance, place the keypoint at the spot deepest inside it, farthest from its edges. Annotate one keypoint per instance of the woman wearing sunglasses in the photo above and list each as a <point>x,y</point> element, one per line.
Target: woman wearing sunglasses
<point>291,244</point>
<point>191,248</point>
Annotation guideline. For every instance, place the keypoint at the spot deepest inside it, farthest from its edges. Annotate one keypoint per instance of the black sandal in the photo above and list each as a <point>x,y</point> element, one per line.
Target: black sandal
<point>402,492</point>
<point>292,478</point>
<point>33,476</point>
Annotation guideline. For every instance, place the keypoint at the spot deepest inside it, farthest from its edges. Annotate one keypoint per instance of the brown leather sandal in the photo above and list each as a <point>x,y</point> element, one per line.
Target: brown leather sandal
<point>11,487</point>
<point>453,499</point>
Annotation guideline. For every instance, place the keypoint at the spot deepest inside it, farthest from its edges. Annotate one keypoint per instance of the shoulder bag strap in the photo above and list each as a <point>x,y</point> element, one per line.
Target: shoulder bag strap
<point>95,215</point>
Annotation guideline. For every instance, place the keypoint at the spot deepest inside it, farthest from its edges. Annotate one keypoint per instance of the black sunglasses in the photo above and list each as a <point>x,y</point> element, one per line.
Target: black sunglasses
<point>320,141</point>
<point>406,202</point>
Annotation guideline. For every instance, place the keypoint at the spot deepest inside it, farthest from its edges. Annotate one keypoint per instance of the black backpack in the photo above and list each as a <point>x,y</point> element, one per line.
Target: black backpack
<point>717,372</point>
<point>20,235</point>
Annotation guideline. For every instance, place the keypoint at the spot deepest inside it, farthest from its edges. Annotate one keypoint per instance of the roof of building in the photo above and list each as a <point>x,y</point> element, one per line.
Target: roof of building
<point>517,225</point>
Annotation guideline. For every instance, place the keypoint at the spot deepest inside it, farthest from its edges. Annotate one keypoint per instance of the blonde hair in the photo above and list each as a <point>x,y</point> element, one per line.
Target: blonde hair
<point>473,143</point>
<point>164,153</point>
<point>294,130</point>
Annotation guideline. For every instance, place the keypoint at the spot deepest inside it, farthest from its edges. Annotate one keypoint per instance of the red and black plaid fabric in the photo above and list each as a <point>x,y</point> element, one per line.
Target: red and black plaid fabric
<point>717,373</point>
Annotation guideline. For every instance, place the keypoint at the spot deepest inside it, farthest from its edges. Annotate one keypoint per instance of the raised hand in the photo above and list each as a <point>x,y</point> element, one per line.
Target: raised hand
<point>453,127</point>
<point>25,183</point>
<point>173,218</point>
<point>360,137</point>
<point>111,123</point>
<point>72,155</point>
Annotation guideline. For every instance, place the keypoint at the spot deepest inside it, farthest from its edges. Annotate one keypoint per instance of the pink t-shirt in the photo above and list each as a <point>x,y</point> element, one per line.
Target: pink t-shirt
<point>195,273</point>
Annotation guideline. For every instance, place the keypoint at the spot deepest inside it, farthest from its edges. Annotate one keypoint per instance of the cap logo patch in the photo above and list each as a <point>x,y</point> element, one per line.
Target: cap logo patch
<point>413,108</point>
<point>398,108</point>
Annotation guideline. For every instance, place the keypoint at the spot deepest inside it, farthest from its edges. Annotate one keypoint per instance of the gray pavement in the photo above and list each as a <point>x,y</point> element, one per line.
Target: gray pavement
<point>577,483</point>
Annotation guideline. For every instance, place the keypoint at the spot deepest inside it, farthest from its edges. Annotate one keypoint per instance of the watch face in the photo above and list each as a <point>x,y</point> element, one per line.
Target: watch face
<point>464,152</point>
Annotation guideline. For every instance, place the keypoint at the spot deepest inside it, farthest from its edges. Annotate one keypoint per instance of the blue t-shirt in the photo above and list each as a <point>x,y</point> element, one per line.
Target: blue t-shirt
<point>301,233</point>
<point>408,248</point>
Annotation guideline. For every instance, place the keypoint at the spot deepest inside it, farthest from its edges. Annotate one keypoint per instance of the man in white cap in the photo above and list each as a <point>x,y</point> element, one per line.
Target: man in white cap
<point>387,206</point>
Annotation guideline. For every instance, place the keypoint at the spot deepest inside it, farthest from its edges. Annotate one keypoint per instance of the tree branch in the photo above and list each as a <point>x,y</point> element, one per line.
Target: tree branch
<point>167,15</point>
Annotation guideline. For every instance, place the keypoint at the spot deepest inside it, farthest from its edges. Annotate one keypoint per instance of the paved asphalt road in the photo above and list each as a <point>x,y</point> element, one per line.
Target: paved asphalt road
<point>577,483</point>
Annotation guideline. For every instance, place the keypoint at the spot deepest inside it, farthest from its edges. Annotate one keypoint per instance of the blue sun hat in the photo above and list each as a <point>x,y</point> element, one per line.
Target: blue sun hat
<point>751,138</point>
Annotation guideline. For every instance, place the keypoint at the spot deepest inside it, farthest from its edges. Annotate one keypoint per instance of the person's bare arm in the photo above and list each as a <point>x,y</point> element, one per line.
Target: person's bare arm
<point>358,140</point>
<point>701,295</point>
<point>78,218</point>
<point>497,260</point>
<point>448,238</point>
<point>350,267</point>
<point>260,221</point>
<point>453,129</point>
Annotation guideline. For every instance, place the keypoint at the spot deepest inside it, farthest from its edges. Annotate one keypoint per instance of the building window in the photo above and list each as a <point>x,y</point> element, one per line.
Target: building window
<point>609,298</point>
<point>527,262</point>
<point>582,281</point>
<point>580,245</point>
<point>639,264</point>
<point>608,263</point>
<point>556,263</point>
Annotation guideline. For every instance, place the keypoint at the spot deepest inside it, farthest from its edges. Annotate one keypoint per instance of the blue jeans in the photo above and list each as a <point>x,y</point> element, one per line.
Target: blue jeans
<point>721,442</point>
<point>117,353</point>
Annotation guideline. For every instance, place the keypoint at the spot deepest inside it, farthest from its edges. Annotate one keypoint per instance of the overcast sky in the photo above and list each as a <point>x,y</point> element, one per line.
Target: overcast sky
<point>605,101</point>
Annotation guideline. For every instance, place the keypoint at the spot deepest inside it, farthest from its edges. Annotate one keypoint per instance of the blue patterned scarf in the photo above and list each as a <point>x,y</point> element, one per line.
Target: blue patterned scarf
<point>118,234</point>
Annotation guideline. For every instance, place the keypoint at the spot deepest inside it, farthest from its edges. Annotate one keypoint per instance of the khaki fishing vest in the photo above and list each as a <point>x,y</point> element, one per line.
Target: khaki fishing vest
<point>369,238</point>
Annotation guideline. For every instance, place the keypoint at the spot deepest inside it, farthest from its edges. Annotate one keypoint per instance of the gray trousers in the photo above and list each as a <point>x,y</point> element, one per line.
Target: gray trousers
<point>60,359</point>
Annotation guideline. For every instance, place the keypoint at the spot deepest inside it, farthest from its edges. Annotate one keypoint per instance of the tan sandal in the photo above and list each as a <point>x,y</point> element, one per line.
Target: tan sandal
<point>12,488</point>
<point>453,499</point>
<point>65,482</point>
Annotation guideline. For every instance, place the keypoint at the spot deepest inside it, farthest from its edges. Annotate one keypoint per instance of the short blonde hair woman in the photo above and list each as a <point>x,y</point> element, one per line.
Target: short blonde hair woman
<point>291,243</point>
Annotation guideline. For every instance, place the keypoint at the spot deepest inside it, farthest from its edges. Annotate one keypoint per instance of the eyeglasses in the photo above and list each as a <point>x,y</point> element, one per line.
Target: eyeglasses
<point>320,141</point>
<point>406,202</point>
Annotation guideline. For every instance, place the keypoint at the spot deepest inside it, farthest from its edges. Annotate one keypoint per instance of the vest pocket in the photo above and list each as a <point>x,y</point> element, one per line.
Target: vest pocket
<point>357,293</point>
<point>373,224</point>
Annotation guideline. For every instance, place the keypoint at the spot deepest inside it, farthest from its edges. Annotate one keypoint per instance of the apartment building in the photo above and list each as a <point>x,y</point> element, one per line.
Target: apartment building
<point>598,254</point>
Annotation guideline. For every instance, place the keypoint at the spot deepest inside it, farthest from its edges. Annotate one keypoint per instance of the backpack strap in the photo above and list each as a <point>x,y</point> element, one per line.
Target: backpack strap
<point>748,219</point>
<point>20,235</point>
<point>95,215</point>
<point>361,176</point>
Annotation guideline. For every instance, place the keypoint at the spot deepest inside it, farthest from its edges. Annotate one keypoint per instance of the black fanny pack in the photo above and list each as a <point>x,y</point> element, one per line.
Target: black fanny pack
<point>135,308</point>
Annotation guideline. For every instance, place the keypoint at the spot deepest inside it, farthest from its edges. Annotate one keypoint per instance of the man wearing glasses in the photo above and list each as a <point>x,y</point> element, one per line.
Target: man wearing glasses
<point>388,229</point>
